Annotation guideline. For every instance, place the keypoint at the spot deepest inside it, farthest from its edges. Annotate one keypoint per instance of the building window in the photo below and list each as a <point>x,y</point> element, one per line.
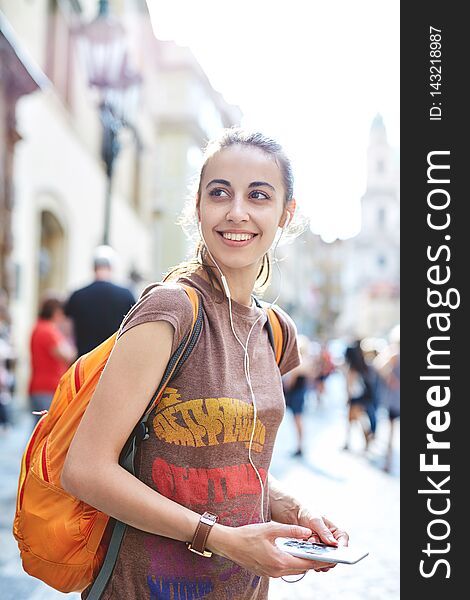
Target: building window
<point>381,260</point>
<point>380,166</point>
<point>51,254</point>
<point>59,62</point>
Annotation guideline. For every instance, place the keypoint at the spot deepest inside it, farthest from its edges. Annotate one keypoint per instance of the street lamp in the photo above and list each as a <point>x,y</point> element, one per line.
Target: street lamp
<point>104,51</point>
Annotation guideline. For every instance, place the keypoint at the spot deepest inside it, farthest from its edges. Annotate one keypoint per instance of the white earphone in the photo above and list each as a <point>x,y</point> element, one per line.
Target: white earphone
<point>246,359</point>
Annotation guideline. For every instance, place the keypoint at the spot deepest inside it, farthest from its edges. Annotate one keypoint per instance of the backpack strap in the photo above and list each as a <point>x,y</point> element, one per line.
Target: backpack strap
<point>274,329</point>
<point>140,433</point>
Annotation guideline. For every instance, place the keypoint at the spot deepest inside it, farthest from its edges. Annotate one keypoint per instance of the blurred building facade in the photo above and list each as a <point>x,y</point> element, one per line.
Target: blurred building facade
<point>53,182</point>
<point>311,283</point>
<point>350,288</point>
<point>371,269</point>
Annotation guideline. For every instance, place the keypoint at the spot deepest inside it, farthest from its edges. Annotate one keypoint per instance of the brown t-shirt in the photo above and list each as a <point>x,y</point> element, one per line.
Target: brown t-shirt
<point>197,453</point>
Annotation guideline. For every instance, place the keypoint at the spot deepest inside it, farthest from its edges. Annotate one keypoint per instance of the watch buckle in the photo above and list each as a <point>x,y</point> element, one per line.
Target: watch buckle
<point>206,553</point>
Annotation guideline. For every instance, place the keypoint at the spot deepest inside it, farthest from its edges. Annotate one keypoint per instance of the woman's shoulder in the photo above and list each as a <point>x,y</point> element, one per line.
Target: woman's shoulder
<point>167,301</point>
<point>164,296</point>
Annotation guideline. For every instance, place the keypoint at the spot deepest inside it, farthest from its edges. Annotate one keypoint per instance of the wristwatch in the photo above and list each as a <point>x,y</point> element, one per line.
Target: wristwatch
<point>198,543</point>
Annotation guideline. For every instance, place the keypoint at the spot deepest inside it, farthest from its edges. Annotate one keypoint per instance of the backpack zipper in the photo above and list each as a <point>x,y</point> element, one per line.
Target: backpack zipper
<point>27,459</point>
<point>45,473</point>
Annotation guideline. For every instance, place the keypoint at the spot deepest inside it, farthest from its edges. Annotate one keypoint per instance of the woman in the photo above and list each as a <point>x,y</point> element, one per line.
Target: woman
<point>51,354</point>
<point>207,432</point>
<point>358,390</point>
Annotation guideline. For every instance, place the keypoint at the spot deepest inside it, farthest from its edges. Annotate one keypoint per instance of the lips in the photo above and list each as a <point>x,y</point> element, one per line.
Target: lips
<point>237,238</point>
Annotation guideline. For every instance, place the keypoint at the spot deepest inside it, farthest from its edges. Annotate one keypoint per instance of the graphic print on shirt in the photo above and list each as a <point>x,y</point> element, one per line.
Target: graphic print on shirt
<point>168,586</point>
<point>203,423</point>
<point>192,487</point>
<point>206,421</point>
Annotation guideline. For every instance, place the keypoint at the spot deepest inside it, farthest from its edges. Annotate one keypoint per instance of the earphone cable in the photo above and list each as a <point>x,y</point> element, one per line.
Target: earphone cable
<point>246,359</point>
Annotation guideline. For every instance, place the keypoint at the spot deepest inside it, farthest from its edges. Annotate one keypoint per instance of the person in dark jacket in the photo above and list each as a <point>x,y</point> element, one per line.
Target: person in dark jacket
<point>98,309</point>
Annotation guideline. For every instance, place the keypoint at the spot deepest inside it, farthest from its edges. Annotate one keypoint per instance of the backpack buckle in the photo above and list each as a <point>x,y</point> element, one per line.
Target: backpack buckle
<point>142,433</point>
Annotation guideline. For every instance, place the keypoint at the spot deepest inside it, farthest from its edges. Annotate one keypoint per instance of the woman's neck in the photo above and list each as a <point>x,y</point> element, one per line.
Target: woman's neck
<point>240,283</point>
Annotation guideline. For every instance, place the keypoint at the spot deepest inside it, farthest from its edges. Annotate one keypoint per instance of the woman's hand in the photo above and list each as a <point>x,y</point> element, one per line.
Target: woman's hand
<point>323,530</point>
<point>253,548</point>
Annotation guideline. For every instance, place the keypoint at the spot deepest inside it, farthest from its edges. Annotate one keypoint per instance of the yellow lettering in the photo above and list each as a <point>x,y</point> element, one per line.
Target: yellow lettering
<point>169,397</point>
<point>201,422</point>
<point>197,430</point>
<point>166,428</point>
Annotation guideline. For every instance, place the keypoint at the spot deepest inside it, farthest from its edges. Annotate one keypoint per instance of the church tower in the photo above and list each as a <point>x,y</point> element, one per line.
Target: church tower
<point>380,233</point>
<point>372,259</point>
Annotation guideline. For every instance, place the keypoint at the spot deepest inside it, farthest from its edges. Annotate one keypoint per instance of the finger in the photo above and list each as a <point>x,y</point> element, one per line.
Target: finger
<point>343,538</point>
<point>326,535</point>
<point>297,565</point>
<point>294,531</point>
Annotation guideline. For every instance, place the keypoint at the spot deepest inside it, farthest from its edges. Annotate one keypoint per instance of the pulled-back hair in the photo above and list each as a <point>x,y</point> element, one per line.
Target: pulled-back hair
<point>234,136</point>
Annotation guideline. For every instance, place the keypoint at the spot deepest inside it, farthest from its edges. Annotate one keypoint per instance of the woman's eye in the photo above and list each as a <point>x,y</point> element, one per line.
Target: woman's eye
<point>218,193</point>
<point>257,195</point>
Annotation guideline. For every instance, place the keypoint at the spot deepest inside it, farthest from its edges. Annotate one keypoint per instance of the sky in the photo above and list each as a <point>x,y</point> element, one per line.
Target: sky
<point>312,74</point>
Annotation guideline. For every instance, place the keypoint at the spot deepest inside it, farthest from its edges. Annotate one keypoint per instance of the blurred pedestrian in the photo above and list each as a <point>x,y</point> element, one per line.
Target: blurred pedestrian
<point>358,390</point>
<point>370,348</point>
<point>51,354</point>
<point>387,364</point>
<point>7,362</point>
<point>98,309</point>
<point>324,369</point>
<point>295,389</point>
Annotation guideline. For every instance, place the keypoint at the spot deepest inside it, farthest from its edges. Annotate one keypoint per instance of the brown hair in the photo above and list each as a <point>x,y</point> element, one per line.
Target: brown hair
<point>231,137</point>
<point>49,306</point>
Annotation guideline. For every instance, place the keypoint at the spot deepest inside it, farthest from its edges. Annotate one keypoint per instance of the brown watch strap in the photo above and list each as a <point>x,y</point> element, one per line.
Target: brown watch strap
<point>198,543</point>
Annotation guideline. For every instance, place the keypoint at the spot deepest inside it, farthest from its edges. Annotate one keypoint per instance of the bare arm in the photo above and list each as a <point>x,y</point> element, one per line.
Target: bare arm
<point>65,351</point>
<point>92,473</point>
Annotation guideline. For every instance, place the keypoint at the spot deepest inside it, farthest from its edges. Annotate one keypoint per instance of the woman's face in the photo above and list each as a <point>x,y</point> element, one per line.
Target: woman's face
<point>241,206</point>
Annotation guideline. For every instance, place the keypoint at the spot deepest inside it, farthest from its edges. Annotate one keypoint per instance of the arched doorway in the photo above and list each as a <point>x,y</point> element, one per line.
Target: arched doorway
<point>51,255</point>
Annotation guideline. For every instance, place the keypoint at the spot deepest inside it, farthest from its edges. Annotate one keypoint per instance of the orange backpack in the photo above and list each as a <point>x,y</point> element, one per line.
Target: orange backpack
<point>62,540</point>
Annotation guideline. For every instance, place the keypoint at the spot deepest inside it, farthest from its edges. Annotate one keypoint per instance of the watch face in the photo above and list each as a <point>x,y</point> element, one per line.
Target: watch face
<point>208,518</point>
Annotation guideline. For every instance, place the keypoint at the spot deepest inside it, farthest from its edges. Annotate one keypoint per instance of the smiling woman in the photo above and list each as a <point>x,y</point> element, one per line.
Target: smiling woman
<point>203,487</point>
<point>244,195</point>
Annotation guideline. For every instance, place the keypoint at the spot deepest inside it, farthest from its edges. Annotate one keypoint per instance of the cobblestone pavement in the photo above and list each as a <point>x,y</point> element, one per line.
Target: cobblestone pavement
<point>353,491</point>
<point>348,487</point>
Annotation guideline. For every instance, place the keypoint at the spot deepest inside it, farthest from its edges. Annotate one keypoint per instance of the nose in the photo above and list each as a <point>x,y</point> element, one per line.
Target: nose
<point>238,211</point>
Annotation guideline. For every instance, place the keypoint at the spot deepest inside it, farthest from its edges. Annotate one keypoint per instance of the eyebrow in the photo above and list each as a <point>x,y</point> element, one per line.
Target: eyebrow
<point>252,184</point>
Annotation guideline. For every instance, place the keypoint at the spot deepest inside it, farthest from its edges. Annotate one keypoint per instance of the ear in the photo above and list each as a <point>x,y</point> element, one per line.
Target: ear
<point>288,214</point>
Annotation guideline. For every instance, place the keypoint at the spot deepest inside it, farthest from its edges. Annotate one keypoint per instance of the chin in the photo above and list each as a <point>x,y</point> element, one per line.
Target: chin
<point>229,261</point>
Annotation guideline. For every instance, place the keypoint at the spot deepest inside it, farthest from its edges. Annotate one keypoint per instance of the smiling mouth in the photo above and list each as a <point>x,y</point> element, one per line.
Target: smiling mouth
<point>237,237</point>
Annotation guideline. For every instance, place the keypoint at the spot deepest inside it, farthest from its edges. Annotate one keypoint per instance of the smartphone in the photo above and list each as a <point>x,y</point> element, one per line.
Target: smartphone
<point>322,552</point>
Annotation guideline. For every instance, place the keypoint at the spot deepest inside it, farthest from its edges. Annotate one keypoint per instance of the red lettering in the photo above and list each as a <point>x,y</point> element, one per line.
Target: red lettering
<point>189,486</point>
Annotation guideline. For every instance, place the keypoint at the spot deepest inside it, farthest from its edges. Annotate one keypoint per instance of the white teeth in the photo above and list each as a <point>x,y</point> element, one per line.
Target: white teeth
<point>238,237</point>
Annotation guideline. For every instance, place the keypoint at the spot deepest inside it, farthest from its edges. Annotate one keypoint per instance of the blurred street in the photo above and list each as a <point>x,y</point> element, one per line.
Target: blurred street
<point>350,488</point>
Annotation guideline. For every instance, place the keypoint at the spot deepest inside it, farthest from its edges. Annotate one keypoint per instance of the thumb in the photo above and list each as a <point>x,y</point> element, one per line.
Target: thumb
<point>293,531</point>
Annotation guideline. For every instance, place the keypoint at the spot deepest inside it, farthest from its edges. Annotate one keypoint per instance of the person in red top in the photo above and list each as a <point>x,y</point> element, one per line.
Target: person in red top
<point>51,354</point>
